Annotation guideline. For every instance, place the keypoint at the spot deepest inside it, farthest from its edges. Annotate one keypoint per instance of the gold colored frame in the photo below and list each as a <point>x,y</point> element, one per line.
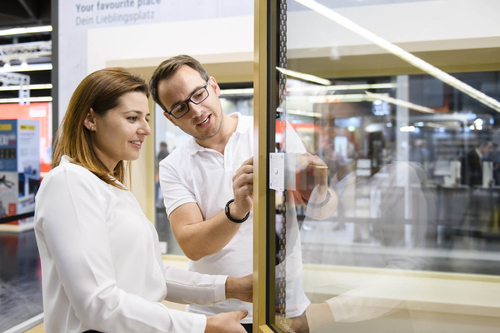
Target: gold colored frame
<point>260,190</point>
<point>265,104</point>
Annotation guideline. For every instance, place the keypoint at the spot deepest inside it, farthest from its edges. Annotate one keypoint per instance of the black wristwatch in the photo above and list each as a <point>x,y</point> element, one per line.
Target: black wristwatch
<point>229,215</point>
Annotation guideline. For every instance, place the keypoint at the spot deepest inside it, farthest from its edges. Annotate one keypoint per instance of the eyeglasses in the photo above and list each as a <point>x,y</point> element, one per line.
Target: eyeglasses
<point>196,98</point>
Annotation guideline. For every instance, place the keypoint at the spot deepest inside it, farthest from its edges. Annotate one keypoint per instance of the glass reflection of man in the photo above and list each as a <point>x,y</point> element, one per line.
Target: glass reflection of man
<point>398,225</point>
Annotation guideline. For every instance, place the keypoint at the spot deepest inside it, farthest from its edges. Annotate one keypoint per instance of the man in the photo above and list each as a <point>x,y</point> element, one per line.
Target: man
<point>472,163</point>
<point>207,183</point>
<point>161,155</point>
<point>163,151</point>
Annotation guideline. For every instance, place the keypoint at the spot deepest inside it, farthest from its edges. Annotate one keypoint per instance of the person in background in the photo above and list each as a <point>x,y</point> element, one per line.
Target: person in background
<point>163,152</point>
<point>102,268</point>
<point>471,171</point>
<point>494,156</point>
<point>161,155</point>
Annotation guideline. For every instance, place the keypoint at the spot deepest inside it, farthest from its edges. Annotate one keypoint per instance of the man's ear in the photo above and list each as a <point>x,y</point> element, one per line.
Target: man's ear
<point>169,117</point>
<point>214,85</point>
<point>90,121</point>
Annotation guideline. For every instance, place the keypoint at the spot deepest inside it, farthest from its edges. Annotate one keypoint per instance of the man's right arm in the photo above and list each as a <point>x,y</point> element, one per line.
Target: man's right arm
<point>199,238</point>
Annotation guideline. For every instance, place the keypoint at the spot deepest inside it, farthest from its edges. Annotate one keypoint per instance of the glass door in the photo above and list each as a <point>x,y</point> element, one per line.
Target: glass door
<point>377,182</point>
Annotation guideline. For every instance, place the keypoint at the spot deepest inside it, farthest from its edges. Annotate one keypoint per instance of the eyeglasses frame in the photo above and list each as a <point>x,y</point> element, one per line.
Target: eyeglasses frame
<point>190,100</point>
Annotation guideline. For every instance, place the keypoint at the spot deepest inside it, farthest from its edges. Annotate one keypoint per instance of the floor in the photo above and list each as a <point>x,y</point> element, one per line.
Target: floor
<point>20,279</point>
<point>322,242</point>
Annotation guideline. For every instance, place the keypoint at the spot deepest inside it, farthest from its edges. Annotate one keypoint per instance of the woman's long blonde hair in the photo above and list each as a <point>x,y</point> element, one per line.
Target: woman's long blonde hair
<point>100,91</point>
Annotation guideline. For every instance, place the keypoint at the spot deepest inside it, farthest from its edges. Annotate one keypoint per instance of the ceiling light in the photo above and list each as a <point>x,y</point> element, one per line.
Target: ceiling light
<point>28,68</point>
<point>304,76</point>
<point>344,87</point>
<point>250,91</point>
<point>246,91</point>
<point>31,87</point>
<point>399,102</point>
<point>31,99</point>
<point>331,98</point>
<point>22,31</point>
<point>407,129</point>
<point>399,52</point>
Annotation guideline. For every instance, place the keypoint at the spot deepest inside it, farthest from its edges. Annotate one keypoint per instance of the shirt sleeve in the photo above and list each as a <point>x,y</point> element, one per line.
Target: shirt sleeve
<point>175,192</point>
<point>71,215</point>
<point>194,288</point>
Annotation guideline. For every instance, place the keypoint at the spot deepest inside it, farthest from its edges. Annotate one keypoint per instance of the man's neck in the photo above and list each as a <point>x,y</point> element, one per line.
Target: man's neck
<point>219,141</point>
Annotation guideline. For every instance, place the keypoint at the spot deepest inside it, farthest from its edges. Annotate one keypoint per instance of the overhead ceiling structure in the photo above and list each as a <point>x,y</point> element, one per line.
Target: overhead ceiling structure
<point>27,53</point>
<point>23,13</point>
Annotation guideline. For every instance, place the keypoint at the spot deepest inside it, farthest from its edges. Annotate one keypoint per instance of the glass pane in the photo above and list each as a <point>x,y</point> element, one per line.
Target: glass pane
<point>392,167</point>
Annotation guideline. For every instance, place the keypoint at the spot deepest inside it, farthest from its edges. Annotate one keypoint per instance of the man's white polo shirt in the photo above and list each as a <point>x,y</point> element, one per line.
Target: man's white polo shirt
<point>192,173</point>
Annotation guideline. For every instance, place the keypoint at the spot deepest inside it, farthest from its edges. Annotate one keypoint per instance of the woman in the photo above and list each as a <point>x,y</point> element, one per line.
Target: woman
<point>101,264</point>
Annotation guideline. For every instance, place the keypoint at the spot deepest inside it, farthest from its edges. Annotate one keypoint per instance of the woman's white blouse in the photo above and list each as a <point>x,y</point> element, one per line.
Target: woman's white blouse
<point>101,262</point>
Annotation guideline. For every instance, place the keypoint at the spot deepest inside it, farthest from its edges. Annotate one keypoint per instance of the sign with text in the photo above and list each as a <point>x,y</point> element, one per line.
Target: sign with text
<point>77,17</point>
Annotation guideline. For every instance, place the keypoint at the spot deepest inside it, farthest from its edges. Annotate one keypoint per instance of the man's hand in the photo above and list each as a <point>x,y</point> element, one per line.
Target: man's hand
<point>299,324</point>
<point>243,190</point>
<point>320,169</point>
<point>226,322</point>
<point>321,201</point>
<point>240,288</point>
<point>308,164</point>
<point>198,237</point>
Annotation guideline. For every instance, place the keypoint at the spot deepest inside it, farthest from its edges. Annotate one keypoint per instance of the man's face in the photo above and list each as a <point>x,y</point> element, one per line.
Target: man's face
<point>202,121</point>
<point>487,148</point>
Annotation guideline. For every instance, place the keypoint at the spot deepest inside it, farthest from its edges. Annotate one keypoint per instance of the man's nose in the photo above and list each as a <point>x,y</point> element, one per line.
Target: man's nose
<point>196,109</point>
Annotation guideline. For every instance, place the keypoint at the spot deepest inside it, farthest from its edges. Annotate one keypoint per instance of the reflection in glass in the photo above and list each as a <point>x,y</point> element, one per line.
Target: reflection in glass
<point>394,201</point>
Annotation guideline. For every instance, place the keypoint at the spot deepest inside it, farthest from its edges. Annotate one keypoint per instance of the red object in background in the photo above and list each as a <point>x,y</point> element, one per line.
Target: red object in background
<point>12,209</point>
<point>281,126</point>
<point>35,111</point>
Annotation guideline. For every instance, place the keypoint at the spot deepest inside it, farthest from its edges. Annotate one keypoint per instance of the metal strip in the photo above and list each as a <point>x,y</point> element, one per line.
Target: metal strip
<point>16,217</point>
<point>26,325</point>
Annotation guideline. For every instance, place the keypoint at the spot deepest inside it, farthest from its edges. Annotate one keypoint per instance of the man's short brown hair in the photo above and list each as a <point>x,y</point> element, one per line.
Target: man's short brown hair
<point>168,68</point>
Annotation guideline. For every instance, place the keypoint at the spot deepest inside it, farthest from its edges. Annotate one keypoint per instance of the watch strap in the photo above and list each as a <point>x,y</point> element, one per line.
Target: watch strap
<point>228,214</point>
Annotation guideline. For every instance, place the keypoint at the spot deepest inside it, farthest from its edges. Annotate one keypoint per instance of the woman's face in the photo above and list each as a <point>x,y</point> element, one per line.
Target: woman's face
<point>119,134</point>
